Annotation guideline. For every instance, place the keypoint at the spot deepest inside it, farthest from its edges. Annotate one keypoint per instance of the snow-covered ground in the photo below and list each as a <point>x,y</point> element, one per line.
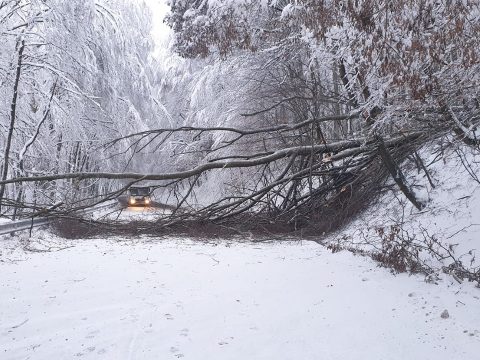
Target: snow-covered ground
<point>168,299</point>
<point>452,213</point>
<point>176,298</point>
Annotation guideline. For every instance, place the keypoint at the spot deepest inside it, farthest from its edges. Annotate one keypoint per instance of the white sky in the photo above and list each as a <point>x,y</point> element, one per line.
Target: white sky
<point>160,31</point>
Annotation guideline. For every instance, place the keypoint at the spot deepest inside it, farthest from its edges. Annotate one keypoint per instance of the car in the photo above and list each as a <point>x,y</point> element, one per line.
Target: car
<point>139,196</point>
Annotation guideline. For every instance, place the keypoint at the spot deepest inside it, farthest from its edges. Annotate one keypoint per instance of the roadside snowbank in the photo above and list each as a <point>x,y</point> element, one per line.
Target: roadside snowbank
<point>98,299</point>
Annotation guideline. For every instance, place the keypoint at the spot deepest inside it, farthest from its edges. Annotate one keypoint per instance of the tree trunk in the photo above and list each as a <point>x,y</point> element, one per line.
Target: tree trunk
<point>397,175</point>
<point>13,114</point>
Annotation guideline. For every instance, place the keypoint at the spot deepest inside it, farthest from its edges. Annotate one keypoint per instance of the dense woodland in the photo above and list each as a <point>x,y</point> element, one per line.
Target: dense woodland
<point>74,75</point>
<point>284,114</point>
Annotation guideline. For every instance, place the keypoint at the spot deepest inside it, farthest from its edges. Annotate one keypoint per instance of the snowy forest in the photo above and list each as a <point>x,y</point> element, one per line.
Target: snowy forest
<point>283,117</point>
<point>249,175</point>
<point>259,107</point>
<point>73,77</point>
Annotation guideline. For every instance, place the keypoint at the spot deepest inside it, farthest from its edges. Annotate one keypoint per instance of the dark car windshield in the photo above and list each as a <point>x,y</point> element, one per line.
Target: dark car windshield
<point>139,191</point>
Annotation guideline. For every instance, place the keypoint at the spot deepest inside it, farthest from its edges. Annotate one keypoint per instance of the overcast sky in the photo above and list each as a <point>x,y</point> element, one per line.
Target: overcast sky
<point>160,31</point>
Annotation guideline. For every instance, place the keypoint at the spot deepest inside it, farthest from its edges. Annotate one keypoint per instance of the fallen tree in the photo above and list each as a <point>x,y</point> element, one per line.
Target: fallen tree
<point>297,185</point>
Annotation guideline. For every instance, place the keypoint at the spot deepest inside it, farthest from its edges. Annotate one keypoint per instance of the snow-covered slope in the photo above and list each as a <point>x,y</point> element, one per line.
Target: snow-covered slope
<point>451,215</point>
<point>181,299</point>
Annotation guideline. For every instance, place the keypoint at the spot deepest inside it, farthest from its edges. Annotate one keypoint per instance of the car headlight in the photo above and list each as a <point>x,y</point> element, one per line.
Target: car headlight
<point>147,201</point>
<point>132,201</point>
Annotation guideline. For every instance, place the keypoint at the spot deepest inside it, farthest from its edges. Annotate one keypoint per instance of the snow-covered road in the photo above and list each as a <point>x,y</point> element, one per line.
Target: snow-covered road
<point>128,214</point>
<point>173,299</point>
